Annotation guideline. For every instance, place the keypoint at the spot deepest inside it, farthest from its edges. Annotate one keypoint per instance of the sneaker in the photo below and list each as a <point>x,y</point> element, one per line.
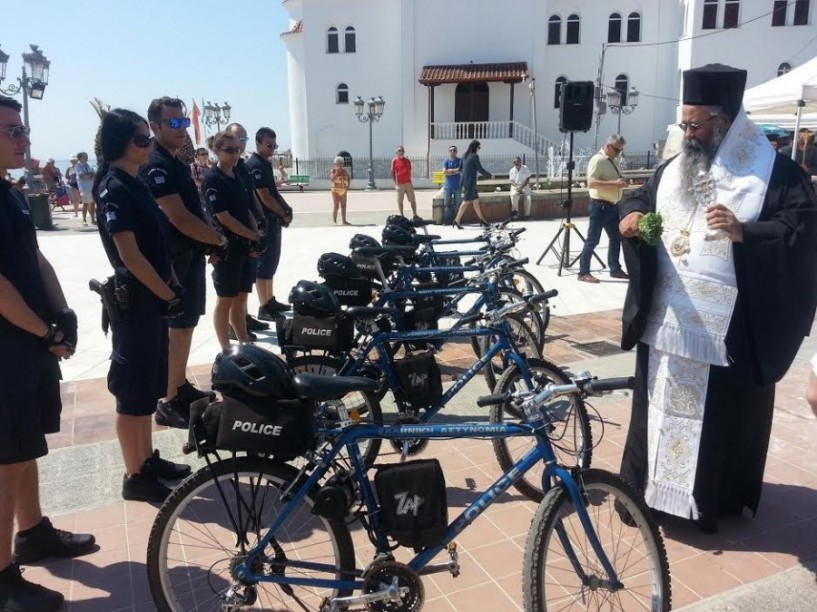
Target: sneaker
<point>45,540</point>
<point>620,274</point>
<point>188,393</point>
<point>251,336</point>
<point>275,306</point>
<point>588,278</point>
<point>19,595</point>
<point>144,487</point>
<point>175,413</point>
<point>164,469</point>
<point>266,313</point>
<point>254,324</point>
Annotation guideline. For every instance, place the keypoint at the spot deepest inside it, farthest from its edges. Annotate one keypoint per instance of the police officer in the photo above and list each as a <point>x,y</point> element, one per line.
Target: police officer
<point>277,213</point>
<point>257,208</point>
<point>36,329</point>
<point>170,181</point>
<point>136,237</point>
<point>226,195</point>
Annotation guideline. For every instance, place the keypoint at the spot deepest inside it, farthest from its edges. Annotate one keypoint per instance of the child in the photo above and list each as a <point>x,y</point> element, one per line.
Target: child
<point>340,185</point>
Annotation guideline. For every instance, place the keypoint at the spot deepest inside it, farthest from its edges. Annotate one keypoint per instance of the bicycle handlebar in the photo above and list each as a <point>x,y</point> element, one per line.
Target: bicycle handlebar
<point>587,387</point>
<point>605,385</point>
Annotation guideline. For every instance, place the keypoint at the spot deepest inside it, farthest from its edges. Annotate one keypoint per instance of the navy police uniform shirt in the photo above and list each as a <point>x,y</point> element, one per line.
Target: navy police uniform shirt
<point>223,193</point>
<point>165,174</point>
<point>126,205</point>
<point>263,176</point>
<point>19,262</point>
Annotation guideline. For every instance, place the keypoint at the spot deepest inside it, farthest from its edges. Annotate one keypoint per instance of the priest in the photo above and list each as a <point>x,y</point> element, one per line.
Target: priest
<point>717,308</point>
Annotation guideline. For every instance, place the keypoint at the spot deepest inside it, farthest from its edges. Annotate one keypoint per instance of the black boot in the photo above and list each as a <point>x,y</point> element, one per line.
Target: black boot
<point>19,595</point>
<point>45,541</point>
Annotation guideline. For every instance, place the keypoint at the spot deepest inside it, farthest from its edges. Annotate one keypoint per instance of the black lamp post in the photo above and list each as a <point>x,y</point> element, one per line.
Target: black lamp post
<point>32,83</point>
<point>617,108</point>
<point>374,112</point>
<point>216,115</point>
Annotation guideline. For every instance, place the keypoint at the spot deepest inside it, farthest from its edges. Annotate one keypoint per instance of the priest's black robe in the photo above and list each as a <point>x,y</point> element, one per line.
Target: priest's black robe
<point>776,270</point>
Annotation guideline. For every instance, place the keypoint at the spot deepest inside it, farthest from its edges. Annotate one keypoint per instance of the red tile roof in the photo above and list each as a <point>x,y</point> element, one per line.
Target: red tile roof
<point>513,72</point>
<point>297,28</point>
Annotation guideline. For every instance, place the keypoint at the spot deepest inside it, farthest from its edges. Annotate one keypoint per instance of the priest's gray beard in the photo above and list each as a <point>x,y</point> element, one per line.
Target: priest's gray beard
<point>698,154</point>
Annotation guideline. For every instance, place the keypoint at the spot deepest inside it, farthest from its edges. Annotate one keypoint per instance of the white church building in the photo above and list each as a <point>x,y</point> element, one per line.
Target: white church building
<point>453,70</point>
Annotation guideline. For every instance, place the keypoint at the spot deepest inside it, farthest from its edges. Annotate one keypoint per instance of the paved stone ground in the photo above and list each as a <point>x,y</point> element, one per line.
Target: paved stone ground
<point>760,564</point>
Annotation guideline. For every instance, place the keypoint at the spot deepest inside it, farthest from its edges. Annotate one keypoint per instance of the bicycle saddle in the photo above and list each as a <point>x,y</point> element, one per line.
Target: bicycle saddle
<point>315,386</point>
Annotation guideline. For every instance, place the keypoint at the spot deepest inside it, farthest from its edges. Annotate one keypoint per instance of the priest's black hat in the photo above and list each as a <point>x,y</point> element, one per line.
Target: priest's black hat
<point>715,85</point>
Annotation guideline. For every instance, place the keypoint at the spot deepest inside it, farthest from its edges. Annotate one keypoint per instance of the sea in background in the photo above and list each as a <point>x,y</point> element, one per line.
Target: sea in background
<point>62,164</point>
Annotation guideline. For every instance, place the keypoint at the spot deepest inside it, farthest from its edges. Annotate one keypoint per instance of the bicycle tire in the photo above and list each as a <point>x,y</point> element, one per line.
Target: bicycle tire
<point>525,341</point>
<point>617,522</point>
<point>530,316</point>
<point>329,366</point>
<point>193,494</point>
<point>573,417</point>
<point>532,285</point>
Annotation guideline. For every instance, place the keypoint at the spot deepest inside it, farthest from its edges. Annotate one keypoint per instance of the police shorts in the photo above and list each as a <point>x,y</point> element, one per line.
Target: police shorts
<point>195,293</point>
<point>268,260</point>
<point>234,275</point>
<point>30,404</point>
<point>138,374</point>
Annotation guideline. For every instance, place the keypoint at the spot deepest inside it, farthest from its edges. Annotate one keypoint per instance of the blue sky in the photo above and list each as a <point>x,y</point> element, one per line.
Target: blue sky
<point>126,52</point>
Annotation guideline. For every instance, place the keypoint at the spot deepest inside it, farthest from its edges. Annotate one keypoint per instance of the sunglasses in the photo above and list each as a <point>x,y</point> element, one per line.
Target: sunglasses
<point>271,146</point>
<point>243,140</point>
<point>694,125</point>
<point>231,150</point>
<point>17,132</point>
<point>177,123</point>
<point>141,140</point>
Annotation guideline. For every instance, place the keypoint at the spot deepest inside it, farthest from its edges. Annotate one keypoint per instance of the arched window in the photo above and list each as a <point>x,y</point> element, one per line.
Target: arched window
<point>633,27</point>
<point>342,94</point>
<point>332,42</point>
<point>573,26</point>
<point>710,17</point>
<point>801,12</point>
<point>614,28</point>
<point>783,68</point>
<point>622,85</point>
<point>731,13</point>
<point>555,30</point>
<point>349,40</point>
<point>557,91</point>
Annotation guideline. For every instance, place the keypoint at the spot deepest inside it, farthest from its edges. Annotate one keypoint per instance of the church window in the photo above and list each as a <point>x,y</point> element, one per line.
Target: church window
<point>557,93</point>
<point>783,68</point>
<point>614,28</point>
<point>555,30</point>
<point>801,9</point>
<point>731,13</point>
<point>332,43</point>
<point>710,21</point>
<point>573,26</point>
<point>349,40</point>
<point>342,94</point>
<point>779,12</point>
<point>634,27</point>
<point>622,86</point>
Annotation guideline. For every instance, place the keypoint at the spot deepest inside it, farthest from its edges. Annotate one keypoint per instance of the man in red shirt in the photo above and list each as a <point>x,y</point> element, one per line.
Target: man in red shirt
<point>401,175</point>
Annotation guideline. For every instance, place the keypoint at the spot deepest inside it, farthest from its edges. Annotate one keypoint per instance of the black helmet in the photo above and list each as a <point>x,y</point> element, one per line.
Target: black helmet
<point>313,299</point>
<point>401,221</point>
<point>395,235</point>
<point>362,240</point>
<point>249,372</point>
<point>335,264</point>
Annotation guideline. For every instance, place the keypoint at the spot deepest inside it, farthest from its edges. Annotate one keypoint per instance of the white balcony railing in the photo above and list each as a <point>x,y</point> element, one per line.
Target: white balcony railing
<point>486,130</point>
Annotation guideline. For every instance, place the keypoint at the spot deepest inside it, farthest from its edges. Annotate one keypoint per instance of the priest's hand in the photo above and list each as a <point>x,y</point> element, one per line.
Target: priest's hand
<point>629,225</point>
<point>719,217</point>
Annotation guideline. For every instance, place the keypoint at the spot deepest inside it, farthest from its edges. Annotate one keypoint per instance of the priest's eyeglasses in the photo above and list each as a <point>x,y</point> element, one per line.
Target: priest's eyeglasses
<point>694,125</point>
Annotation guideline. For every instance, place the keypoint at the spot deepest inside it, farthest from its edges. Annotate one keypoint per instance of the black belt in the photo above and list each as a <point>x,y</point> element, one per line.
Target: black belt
<point>604,202</point>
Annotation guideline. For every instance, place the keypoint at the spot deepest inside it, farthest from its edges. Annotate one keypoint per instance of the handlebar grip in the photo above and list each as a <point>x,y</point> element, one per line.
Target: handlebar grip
<point>516,232</point>
<point>519,262</point>
<point>541,297</point>
<point>606,385</point>
<point>492,400</point>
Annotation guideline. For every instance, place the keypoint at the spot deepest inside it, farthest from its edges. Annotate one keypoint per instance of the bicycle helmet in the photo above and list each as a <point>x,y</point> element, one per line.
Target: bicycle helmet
<point>396,235</point>
<point>362,240</point>
<point>249,372</point>
<point>335,264</point>
<point>313,300</point>
<point>401,221</point>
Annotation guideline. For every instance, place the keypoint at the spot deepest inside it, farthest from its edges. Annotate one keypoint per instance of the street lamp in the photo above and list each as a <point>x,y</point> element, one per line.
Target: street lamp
<point>216,115</point>
<point>532,87</point>
<point>617,108</point>
<point>32,83</point>
<point>374,112</point>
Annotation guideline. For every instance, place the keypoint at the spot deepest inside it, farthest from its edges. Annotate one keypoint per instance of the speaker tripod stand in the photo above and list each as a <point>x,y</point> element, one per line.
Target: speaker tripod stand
<point>560,245</point>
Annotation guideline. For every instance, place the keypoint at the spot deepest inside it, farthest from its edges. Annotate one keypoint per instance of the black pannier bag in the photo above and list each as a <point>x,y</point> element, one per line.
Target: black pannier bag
<point>448,278</point>
<point>335,334</point>
<point>420,379</point>
<point>413,502</point>
<point>282,428</point>
<point>350,291</point>
<point>367,265</point>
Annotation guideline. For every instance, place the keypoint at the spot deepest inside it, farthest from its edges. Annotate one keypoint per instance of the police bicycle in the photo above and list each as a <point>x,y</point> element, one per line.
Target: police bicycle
<point>252,532</point>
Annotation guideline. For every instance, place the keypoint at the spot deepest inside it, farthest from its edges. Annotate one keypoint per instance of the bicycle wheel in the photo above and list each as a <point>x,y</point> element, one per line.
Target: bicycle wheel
<point>193,543</point>
<point>525,342</point>
<point>365,403</point>
<point>530,316</point>
<point>522,280</point>
<point>629,538</point>
<point>569,431</point>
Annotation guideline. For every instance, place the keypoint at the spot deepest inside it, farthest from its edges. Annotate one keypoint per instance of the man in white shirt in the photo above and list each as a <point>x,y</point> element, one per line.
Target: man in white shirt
<point>520,177</point>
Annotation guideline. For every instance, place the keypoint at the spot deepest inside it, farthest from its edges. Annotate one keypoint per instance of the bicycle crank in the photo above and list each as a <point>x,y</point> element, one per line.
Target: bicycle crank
<point>408,448</point>
<point>388,586</point>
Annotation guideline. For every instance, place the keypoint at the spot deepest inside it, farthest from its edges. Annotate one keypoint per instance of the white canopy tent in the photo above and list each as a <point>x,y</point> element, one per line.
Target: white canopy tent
<point>786,99</point>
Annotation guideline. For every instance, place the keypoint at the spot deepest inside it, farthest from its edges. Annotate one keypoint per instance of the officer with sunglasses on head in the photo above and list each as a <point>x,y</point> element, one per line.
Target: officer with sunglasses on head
<point>171,182</point>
